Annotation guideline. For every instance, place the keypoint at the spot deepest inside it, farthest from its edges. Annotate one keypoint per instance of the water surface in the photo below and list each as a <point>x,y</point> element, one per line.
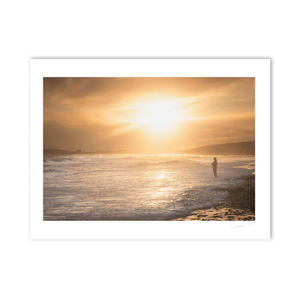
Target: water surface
<point>136,187</point>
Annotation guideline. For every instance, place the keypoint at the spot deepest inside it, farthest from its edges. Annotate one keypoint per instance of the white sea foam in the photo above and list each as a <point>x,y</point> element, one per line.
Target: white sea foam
<point>135,187</point>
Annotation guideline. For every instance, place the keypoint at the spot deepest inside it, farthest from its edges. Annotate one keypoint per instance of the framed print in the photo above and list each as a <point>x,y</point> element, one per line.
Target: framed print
<point>141,149</point>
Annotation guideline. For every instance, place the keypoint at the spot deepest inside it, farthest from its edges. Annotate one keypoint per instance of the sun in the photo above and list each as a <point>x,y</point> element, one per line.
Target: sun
<point>159,115</point>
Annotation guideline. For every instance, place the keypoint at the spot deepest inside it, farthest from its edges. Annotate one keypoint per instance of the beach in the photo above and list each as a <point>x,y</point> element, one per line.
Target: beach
<point>149,187</point>
<point>239,204</point>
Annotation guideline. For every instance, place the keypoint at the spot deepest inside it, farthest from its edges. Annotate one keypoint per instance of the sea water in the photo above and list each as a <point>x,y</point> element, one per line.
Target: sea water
<point>136,187</point>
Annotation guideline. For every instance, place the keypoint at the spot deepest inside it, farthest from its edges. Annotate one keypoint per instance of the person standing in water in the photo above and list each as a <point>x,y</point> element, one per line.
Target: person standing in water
<point>214,165</point>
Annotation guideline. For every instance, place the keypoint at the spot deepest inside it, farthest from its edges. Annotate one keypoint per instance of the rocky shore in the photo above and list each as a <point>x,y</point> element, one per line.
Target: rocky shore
<point>239,205</point>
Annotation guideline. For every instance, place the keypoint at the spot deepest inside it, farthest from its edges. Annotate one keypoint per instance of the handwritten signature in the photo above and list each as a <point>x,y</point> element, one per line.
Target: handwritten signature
<point>236,226</point>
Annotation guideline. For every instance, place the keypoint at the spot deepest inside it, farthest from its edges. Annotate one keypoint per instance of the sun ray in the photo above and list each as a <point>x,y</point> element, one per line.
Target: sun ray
<point>159,115</point>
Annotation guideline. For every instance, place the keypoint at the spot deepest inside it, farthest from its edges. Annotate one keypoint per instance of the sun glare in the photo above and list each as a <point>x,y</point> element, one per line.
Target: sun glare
<point>159,115</point>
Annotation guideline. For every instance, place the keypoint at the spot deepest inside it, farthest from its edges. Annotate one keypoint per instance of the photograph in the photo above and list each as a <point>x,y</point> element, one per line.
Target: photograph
<point>145,150</point>
<point>149,149</point>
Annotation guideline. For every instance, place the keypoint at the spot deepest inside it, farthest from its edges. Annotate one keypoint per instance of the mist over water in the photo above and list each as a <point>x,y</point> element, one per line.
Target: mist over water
<point>136,187</point>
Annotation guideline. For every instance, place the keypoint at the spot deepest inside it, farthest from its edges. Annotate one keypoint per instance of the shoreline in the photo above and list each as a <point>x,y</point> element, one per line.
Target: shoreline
<point>239,204</point>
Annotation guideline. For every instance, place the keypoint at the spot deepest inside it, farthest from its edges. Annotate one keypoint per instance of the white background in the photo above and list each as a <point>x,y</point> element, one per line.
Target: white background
<point>149,270</point>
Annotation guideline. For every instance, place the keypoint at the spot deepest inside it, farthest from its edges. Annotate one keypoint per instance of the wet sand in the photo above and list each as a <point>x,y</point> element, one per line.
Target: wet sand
<point>239,205</point>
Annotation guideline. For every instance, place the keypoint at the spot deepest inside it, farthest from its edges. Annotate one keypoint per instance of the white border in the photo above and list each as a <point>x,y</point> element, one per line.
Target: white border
<point>151,230</point>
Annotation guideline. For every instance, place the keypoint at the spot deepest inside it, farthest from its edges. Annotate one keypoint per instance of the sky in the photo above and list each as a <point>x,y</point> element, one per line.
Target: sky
<point>155,114</point>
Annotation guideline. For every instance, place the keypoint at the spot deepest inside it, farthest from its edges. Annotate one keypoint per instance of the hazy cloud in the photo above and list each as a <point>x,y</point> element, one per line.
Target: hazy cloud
<point>101,113</point>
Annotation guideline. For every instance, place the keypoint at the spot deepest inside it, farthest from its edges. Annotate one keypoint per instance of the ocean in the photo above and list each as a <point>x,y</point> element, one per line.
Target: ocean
<point>136,187</point>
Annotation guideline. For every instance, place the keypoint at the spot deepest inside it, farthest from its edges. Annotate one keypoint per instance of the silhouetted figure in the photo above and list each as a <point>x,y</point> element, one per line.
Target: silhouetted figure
<point>214,165</point>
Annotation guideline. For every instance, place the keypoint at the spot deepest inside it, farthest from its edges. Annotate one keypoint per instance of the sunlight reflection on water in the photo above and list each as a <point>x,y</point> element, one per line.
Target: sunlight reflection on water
<point>136,187</point>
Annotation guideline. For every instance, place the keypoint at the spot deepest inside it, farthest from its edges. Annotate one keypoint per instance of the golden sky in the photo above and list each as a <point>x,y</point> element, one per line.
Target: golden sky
<point>147,113</point>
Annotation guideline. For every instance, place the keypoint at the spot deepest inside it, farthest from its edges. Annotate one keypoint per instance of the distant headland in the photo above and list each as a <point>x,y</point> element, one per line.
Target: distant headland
<point>243,148</point>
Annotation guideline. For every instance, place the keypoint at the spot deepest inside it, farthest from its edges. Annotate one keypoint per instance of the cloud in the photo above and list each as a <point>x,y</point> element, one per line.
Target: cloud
<point>88,112</point>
